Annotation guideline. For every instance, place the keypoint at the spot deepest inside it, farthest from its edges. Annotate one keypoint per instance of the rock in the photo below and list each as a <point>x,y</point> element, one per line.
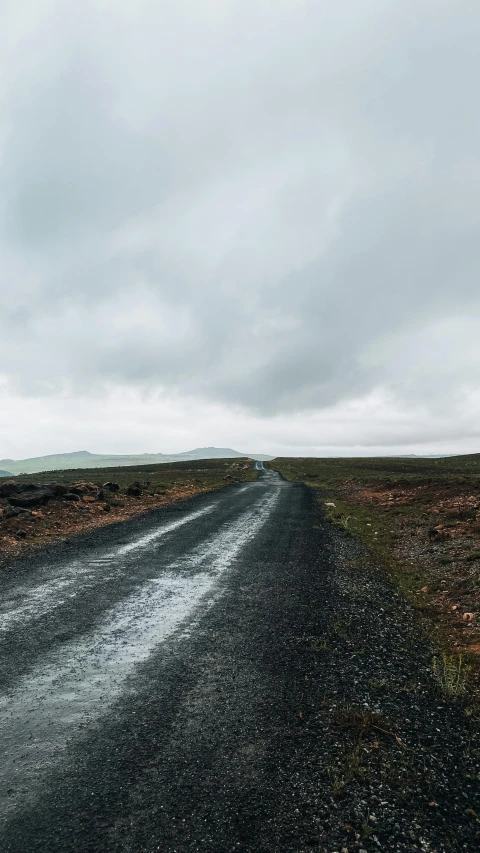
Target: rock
<point>468,617</point>
<point>111,487</point>
<point>89,498</point>
<point>437,533</point>
<point>9,488</point>
<point>134,490</point>
<point>82,488</point>
<point>58,489</point>
<point>29,500</point>
<point>101,495</point>
<point>72,496</point>
<point>15,511</point>
<point>106,507</point>
<point>21,534</point>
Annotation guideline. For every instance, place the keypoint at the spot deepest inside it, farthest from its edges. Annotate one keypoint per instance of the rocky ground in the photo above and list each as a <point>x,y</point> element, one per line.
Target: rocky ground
<point>298,710</point>
<point>37,509</point>
<point>420,522</point>
<point>391,762</point>
<point>433,532</point>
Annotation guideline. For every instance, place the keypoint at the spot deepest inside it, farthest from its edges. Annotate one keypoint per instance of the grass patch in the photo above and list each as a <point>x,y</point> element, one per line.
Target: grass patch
<point>168,475</point>
<point>356,724</point>
<point>361,721</point>
<point>452,674</point>
<point>473,557</point>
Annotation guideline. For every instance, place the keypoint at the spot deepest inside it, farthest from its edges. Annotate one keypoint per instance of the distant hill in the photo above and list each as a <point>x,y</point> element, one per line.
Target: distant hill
<point>84,459</point>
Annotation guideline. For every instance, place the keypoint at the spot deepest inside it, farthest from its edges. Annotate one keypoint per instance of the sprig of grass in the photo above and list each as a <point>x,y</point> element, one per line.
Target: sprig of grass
<point>451,674</point>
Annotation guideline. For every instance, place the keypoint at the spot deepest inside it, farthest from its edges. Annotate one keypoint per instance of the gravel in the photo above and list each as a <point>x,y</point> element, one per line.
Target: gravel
<point>297,713</point>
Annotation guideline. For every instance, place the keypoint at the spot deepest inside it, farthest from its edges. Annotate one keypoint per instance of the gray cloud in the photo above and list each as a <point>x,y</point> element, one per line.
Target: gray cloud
<point>271,205</point>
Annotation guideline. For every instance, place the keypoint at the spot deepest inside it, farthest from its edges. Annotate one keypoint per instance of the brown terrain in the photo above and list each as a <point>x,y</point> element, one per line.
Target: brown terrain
<point>440,532</point>
<point>420,522</point>
<point>38,508</point>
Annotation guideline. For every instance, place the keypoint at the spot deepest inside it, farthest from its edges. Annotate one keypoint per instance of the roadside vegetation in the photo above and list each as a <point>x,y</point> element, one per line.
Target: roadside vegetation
<point>39,508</point>
<point>420,522</point>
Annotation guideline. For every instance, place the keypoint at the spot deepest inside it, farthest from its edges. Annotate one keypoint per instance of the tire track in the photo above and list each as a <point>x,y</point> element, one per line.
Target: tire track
<point>74,685</point>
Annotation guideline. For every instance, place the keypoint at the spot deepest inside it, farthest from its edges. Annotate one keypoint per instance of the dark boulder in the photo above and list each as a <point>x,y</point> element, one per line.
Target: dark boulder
<point>58,489</point>
<point>72,496</point>
<point>32,499</point>
<point>111,487</point>
<point>9,488</point>
<point>21,534</point>
<point>15,511</point>
<point>134,490</point>
<point>83,487</point>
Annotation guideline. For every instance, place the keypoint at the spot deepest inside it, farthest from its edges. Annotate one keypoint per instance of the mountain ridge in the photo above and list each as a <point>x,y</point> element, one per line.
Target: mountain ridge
<point>85,459</point>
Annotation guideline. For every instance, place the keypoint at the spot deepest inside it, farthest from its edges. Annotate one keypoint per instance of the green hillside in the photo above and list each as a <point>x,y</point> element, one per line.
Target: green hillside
<point>84,459</point>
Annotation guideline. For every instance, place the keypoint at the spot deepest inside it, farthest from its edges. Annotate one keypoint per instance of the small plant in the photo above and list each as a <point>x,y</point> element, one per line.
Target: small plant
<point>379,684</point>
<point>340,629</point>
<point>357,720</point>
<point>366,831</point>
<point>360,720</point>
<point>451,673</point>
<point>337,781</point>
<point>354,761</point>
<point>318,647</point>
<point>351,768</point>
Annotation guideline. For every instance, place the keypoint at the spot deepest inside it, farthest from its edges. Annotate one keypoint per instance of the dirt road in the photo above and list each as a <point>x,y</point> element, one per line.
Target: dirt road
<point>188,681</point>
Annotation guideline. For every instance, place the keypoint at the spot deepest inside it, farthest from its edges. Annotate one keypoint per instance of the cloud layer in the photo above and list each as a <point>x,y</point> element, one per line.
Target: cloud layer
<point>269,207</point>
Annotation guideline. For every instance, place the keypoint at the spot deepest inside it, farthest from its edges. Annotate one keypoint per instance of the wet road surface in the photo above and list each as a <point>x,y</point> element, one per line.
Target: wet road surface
<point>143,681</point>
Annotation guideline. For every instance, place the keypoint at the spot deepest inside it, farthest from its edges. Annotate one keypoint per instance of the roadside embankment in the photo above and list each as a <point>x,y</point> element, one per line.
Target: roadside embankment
<point>40,508</point>
<point>420,521</point>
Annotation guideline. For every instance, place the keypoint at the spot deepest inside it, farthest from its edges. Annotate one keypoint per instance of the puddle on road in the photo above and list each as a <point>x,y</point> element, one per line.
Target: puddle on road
<point>78,576</point>
<point>78,683</point>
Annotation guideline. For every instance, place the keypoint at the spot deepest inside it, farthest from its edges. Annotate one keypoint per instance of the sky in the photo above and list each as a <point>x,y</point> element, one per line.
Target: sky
<point>246,223</point>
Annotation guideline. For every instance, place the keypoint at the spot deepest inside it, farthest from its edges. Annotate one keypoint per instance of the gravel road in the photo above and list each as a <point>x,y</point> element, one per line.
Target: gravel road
<point>178,683</point>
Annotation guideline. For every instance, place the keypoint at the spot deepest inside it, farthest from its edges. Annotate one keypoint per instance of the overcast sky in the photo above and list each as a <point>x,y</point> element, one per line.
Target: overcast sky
<point>252,223</point>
